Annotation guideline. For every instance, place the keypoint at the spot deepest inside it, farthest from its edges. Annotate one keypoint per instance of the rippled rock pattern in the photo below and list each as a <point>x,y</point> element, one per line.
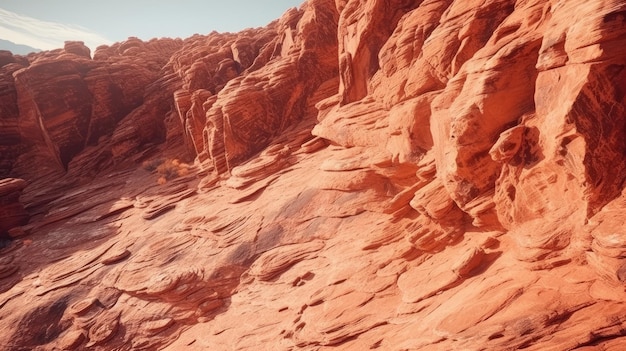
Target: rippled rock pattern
<point>358,174</point>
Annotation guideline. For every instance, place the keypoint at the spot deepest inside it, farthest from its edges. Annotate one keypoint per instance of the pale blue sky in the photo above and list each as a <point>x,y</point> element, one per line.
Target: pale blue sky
<point>108,21</point>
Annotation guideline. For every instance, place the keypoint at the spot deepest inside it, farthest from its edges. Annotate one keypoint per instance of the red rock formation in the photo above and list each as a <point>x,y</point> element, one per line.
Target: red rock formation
<point>68,102</point>
<point>10,138</point>
<point>12,213</point>
<point>255,84</point>
<point>463,187</point>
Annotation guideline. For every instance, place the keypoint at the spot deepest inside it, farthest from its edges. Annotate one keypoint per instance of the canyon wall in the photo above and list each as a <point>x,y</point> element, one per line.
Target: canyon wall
<point>362,174</point>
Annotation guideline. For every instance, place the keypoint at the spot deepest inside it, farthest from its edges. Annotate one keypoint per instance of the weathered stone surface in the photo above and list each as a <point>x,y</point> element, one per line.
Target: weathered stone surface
<point>368,174</point>
<point>12,213</point>
<point>58,104</point>
<point>260,104</point>
<point>77,48</point>
<point>10,137</point>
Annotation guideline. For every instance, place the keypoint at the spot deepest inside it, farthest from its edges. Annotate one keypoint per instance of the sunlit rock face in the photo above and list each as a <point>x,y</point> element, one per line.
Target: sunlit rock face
<point>244,90</point>
<point>358,174</point>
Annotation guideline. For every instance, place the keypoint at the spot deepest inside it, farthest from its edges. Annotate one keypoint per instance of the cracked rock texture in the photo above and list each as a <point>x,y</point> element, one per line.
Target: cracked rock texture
<point>358,174</point>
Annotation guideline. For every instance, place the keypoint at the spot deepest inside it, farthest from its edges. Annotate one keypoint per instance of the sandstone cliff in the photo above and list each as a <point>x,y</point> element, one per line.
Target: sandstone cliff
<point>358,174</point>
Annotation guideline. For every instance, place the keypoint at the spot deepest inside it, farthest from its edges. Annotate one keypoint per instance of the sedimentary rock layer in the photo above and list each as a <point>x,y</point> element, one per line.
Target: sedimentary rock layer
<point>358,174</point>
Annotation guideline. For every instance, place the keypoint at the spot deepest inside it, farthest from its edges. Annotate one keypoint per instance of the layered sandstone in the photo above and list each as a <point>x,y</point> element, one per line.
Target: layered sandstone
<point>12,212</point>
<point>359,174</point>
<point>62,102</point>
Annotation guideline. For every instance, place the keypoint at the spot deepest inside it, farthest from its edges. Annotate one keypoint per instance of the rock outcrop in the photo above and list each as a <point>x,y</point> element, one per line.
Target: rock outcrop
<point>358,174</point>
<point>60,103</point>
<point>12,212</point>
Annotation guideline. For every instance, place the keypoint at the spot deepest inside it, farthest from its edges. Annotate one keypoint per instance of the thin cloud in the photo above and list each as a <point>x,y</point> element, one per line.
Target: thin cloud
<point>44,35</point>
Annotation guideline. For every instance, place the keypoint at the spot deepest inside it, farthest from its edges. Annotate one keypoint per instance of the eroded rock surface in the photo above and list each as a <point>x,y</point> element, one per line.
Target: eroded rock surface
<point>12,213</point>
<point>358,174</point>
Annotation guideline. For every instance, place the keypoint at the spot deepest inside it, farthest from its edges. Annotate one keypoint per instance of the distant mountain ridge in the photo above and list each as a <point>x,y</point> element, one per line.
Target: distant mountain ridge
<point>17,49</point>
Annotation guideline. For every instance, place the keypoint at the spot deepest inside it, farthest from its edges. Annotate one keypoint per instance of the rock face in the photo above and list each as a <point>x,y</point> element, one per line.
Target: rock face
<point>60,103</point>
<point>12,213</point>
<point>256,84</point>
<point>358,174</point>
